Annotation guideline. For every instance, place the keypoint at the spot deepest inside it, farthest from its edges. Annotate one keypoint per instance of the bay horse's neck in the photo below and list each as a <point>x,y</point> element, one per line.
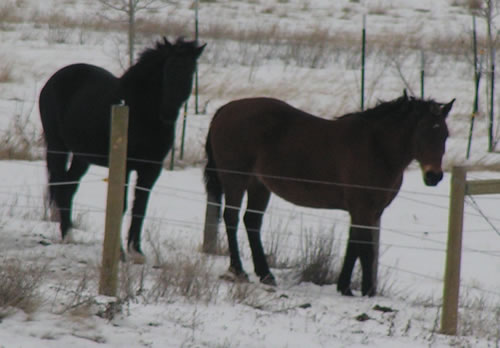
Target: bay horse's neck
<point>395,141</point>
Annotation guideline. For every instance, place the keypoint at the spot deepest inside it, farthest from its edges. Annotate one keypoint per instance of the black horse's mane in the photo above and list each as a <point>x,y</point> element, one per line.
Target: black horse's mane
<point>386,109</point>
<point>152,58</point>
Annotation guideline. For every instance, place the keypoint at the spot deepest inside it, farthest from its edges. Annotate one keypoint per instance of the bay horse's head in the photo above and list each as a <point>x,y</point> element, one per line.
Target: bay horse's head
<point>178,70</point>
<point>430,137</point>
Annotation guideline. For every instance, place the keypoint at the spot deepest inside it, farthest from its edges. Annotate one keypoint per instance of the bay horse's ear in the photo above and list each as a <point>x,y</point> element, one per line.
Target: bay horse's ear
<point>445,109</point>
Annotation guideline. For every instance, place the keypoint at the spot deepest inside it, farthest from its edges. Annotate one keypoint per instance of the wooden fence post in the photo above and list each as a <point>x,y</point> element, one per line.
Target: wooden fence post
<point>449,315</point>
<point>114,207</point>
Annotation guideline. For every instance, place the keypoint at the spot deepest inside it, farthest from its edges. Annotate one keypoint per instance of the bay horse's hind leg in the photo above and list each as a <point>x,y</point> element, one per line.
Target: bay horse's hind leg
<point>258,198</point>
<point>233,197</point>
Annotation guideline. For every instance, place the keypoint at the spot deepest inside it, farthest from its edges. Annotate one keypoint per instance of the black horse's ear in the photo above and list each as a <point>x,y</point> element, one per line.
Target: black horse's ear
<point>199,50</point>
<point>166,42</point>
<point>445,109</point>
<point>405,95</point>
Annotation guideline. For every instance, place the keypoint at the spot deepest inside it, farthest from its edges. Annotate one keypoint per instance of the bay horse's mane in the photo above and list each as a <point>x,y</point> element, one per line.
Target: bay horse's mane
<point>390,109</point>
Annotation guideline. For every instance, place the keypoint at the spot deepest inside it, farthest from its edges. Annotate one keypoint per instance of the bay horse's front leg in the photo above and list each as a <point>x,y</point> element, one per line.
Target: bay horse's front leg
<point>363,243</point>
<point>145,181</point>
<point>351,254</point>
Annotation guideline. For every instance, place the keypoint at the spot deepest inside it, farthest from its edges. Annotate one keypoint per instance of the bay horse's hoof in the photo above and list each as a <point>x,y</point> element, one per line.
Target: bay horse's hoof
<point>369,293</point>
<point>268,279</point>
<point>235,276</point>
<point>345,292</point>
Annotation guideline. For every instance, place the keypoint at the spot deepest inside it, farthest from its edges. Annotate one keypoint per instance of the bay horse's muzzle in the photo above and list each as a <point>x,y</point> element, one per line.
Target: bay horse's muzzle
<point>432,178</point>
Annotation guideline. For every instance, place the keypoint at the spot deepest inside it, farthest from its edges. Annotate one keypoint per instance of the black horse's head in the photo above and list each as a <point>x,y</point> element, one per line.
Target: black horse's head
<point>178,70</point>
<point>430,137</point>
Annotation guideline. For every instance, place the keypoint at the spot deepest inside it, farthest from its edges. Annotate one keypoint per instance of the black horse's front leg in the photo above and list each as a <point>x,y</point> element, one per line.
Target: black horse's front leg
<point>145,181</point>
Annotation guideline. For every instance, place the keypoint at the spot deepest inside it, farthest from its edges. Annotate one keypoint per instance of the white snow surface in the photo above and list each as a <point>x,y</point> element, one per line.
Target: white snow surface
<point>414,226</point>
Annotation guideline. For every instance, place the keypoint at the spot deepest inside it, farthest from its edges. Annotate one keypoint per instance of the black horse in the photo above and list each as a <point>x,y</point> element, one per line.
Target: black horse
<point>75,106</point>
<point>354,163</point>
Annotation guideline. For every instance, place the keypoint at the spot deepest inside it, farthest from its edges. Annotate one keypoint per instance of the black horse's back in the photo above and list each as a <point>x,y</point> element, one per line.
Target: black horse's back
<point>73,81</point>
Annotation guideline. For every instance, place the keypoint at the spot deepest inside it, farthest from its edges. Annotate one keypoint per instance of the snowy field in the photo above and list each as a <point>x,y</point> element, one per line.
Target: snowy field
<point>38,37</point>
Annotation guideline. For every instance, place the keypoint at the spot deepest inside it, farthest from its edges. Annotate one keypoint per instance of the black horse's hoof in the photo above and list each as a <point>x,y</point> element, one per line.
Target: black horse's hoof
<point>123,255</point>
<point>236,276</point>
<point>268,279</point>
<point>135,255</point>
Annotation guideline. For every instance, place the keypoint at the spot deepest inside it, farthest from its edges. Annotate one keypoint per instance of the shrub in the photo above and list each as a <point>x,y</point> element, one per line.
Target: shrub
<point>20,286</point>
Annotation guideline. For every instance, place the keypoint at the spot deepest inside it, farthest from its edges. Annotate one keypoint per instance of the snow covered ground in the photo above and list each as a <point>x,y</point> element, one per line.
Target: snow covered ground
<point>413,238</point>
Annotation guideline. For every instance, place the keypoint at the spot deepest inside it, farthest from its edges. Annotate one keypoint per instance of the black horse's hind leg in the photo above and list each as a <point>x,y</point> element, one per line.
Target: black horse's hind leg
<point>77,169</point>
<point>233,198</point>
<point>145,181</point>
<point>57,158</point>
<point>258,198</point>
<point>123,254</point>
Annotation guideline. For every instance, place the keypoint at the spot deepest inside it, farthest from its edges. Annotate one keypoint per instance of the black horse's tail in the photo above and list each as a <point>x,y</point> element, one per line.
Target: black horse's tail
<point>214,191</point>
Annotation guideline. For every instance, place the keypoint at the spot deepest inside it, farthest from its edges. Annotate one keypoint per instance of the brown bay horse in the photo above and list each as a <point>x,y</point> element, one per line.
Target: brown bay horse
<point>353,163</point>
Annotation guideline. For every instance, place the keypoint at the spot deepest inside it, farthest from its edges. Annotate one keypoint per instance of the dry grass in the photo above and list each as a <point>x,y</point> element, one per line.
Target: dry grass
<point>6,70</point>
<point>8,14</point>
<point>276,247</point>
<point>21,140</point>
<point>189,277</point>
<point>20,286</point>
<point>320,258</point>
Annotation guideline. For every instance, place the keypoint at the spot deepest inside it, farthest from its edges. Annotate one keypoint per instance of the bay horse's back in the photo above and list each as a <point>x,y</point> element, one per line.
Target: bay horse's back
<point>243,127</point>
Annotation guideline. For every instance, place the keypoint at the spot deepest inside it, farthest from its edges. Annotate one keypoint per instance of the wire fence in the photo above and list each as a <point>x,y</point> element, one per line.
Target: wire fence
<point>14,193</point>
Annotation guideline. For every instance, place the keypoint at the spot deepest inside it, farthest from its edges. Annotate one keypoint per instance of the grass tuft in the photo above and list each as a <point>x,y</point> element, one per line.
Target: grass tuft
<point>20,286</point>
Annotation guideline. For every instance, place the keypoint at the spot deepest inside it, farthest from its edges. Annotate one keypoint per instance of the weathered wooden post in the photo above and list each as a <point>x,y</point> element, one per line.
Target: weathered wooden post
<point>116,194</point>
<point>449,315</point>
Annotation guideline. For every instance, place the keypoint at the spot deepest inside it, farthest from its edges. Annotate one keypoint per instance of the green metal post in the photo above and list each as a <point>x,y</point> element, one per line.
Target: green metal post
<point>363,52</point>
<point>172,151</point>
<point>422,74</point>
<point>477,79</point>
<point>196,36</point>
<point>492,103</point>
<point>183,137</point>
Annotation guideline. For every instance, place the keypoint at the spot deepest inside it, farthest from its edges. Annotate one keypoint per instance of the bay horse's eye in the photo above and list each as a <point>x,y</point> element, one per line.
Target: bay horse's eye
<point>435,126</point>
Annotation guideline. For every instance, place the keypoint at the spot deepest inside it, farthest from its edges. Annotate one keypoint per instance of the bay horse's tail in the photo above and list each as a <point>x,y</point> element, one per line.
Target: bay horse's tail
<point>214,191</point>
